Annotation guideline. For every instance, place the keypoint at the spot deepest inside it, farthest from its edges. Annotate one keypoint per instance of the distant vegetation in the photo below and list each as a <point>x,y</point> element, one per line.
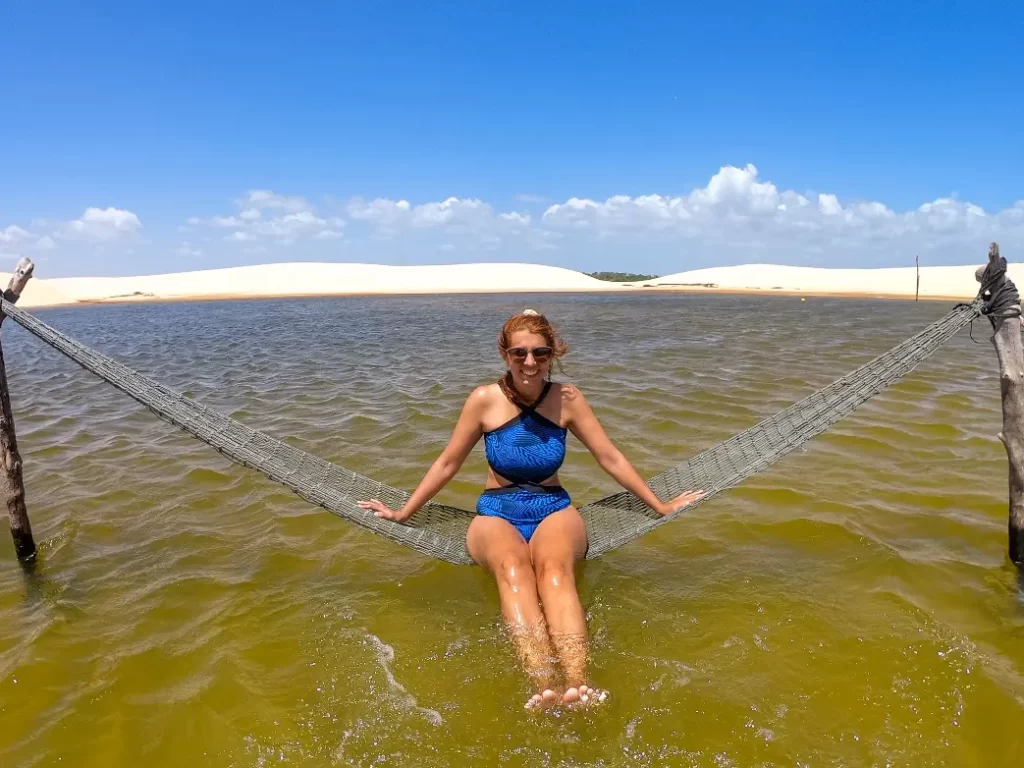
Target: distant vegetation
<point>620,277</point>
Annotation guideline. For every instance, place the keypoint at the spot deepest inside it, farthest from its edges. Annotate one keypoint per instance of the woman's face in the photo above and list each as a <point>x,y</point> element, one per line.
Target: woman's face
<point>528,357</point>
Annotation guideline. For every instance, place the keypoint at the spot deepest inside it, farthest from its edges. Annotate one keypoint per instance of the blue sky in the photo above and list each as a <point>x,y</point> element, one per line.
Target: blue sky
<point>144,137</point>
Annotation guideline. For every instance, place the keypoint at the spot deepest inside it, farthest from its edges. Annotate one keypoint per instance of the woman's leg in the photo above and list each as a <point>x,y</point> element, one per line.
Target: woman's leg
<point>561,540</point>
<point>497,546</point>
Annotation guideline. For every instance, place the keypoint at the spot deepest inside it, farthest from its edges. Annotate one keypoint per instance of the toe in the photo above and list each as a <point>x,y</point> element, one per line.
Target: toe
<point>571,696</point>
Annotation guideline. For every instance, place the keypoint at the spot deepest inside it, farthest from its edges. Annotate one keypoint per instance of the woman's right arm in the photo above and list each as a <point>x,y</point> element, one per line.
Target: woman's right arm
<point>466,434</point>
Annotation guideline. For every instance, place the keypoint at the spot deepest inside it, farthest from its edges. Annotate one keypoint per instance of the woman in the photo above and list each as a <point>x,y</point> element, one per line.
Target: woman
<point>528,533</point>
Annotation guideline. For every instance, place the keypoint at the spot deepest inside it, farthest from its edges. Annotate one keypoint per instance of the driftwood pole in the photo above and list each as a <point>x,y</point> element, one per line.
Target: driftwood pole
<point>917,270</point>
<point>1010,351</point>
<point>10,477</point>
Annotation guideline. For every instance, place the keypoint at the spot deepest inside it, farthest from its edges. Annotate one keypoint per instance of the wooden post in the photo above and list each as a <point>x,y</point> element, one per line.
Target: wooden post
<point>1010,351</point>
<point>10,477</point>
<point>917,268</point>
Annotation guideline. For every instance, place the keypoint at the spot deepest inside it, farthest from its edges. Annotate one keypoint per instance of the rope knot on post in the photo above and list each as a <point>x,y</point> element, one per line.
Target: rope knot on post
<point>1001,304</point>
<point>999,295</point>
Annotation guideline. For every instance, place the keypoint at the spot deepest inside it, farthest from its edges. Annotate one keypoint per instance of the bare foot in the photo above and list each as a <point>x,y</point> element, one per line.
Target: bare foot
<point>584,696</point>
<point>547,698</point>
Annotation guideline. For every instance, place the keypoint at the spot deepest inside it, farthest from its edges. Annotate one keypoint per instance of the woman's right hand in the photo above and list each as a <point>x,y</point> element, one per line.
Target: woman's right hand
<point>380,509</point>
<point>682,500</point>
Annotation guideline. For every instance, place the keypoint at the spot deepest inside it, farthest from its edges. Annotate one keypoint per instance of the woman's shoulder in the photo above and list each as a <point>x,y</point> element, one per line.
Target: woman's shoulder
<point>484,394</point>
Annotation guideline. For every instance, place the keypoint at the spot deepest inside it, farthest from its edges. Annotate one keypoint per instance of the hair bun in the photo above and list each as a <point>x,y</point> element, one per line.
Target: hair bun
<point>531,312</point>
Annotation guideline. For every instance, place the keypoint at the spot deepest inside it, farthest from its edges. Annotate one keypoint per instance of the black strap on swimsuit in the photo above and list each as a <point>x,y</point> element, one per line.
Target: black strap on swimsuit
<point>509,391</point>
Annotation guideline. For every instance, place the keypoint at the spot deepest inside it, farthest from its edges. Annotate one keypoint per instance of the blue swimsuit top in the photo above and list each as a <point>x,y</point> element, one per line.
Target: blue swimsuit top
<point>528,448</point>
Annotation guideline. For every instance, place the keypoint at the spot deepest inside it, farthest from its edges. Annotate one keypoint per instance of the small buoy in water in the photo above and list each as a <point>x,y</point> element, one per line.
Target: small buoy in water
<point>802,299</point>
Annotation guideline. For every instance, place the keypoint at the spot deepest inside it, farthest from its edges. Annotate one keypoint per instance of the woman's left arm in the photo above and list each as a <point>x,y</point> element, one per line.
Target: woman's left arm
<point>584,424</point>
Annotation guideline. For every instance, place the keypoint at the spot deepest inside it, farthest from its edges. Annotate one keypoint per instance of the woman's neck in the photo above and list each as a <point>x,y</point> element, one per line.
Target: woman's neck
<point>526,395</point>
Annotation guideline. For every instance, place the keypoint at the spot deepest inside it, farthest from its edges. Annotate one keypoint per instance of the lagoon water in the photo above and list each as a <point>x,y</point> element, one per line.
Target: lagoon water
<point>853,605</point>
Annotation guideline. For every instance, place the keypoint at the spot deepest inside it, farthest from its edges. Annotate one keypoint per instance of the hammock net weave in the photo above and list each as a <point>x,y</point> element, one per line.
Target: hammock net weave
<point>438,530</point>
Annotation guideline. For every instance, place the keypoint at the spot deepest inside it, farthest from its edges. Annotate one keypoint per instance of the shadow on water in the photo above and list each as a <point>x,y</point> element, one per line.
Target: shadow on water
<point>40,590</point>
<point>36,586</point>
<point>30,566</point>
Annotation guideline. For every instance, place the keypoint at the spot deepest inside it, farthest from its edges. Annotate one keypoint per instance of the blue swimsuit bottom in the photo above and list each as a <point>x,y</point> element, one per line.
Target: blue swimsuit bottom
<point>525,451</point>
<point>525,507</point>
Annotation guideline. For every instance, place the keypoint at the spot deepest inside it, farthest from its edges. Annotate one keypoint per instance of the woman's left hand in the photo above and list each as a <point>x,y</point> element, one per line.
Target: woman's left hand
<point>682,500</point>
<point>380,509</point>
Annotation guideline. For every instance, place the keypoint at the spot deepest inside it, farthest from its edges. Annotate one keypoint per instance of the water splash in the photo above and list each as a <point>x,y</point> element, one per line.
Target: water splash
<point>385,656</point>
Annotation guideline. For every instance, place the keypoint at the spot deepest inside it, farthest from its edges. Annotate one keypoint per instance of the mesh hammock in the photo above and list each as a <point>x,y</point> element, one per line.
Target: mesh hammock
<point>438,530</point>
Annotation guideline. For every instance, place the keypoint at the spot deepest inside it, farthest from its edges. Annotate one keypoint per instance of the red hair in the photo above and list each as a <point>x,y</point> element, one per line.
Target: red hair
<point>532,322</point>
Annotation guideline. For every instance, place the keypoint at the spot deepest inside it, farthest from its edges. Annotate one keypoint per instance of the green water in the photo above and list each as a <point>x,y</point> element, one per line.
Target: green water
<point>851,606</point>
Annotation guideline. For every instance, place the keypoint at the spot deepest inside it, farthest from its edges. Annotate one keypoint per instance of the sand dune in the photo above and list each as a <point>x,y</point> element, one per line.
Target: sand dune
<point>39,293</point>
<point>936,282</point>
<point>330,279</point>
<point>319,279</point>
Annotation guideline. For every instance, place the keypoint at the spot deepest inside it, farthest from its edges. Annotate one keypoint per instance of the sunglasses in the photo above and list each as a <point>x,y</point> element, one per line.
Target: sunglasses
<point>540,354</point>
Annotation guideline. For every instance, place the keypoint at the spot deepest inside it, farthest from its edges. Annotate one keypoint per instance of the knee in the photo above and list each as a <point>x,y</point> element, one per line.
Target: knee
<point>555,574</point>
<point>515,570</point>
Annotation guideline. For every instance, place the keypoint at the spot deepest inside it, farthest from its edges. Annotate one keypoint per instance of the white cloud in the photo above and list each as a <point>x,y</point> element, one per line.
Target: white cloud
<point>738,217</point>
<point>302,220</point>
<point>188,250</point>
<point>521,219</point>
<point>287,220</point>
<point>731,194</point>
<point>289,226</point>
<point>262,199</point>
<point>454,215</point>
<point>13,233</point>
<point>450,211</point>
<point>381,211</point>
<point>829,205</point>
<point>96,224</point>
<point>737,185</point>
<point>227,222</point>
<point>102,224</point>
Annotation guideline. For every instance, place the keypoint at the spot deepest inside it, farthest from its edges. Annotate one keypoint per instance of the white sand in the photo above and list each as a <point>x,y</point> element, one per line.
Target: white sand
<point>38,293</point>
<point>330,279</point>
<point>936,282</point>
